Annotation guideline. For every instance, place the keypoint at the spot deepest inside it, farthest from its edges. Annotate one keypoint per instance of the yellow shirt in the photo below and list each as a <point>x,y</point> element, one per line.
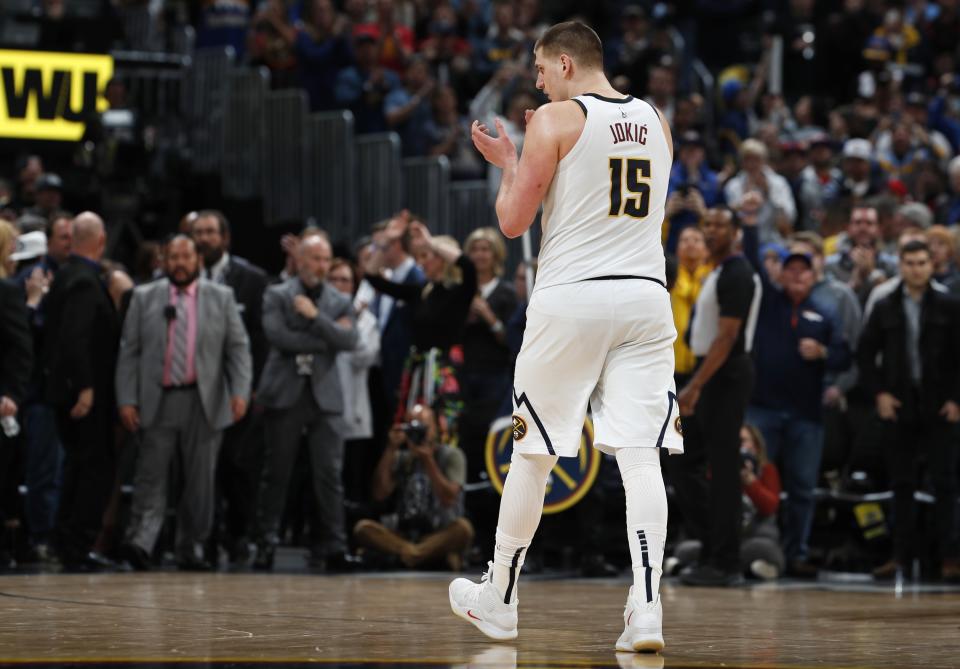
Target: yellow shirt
<point>683,297</point>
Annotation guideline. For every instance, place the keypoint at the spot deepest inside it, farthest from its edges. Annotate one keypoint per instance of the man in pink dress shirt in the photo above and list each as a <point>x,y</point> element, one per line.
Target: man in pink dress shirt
<point>183,376</point>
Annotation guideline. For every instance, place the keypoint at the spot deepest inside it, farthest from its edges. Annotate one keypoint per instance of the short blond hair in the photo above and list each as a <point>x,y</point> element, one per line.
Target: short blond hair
<point>754,147</point>
<point>495,239</point>
<point>8,242</point>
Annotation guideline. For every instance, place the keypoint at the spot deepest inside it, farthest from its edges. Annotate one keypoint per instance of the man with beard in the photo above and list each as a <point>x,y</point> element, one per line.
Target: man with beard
<point>238,470</point>
<point>183,376</point>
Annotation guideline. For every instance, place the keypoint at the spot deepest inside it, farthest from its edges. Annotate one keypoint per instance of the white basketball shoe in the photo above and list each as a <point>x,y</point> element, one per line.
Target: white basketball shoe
<point>481,605</point>
<point>642,626</point>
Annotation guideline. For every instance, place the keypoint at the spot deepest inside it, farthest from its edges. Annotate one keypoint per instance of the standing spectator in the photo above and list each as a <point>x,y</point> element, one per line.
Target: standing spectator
<point>859,260</point>
<point>48,194</point>
<point>408,111</point>
<point>778,212</point>
<point>818,175</point>
<point>857,180</point>
<point>942,253</point>
<point>914,331</point>
<point>693,266</point>
<point>662,89</point>
<point>269,45</point>
<point>354,367</point>
<point>392,246</point>
<point>694,187</point>
<point>713,402</point>
<point>16,357</point>
<point>44,456</point>
<point>502,43</point>
<point>903,158</point>
<point>183,376</point>
<point>394,41</point>
<point>364,87</point>
<point>440,312</point>
<point>307,324</point>
<point>427,476</point>
<point>223,23</point>
<point>321,45</point>
<point>448,134</point>
<point>952,210</point>
<point>798,342</point>
<point>238,470</point>
<point>29,169</point>
<point>79,358</point>
<point>486,378</point>
<point>447,53</point>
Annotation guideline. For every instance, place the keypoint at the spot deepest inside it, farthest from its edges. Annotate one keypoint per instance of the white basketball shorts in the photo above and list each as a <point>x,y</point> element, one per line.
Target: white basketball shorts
<point>606,342</point>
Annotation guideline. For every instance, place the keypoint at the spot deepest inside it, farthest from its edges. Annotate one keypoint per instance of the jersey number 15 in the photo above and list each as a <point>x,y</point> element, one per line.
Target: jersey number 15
<point>636,203</point>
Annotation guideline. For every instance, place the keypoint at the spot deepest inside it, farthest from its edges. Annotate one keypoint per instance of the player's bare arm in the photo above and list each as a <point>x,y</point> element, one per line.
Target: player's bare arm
<point>551,133</point>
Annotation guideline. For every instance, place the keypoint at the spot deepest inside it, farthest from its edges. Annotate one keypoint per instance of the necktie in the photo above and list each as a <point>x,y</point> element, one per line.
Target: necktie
<point>178,358</point>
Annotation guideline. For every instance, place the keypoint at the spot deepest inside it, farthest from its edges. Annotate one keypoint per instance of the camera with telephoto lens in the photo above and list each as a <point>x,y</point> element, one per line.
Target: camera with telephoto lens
<point>415,431</point>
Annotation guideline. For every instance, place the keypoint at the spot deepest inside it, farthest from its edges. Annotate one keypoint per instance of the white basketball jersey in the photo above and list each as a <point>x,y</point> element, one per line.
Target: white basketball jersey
<point>603,213</point>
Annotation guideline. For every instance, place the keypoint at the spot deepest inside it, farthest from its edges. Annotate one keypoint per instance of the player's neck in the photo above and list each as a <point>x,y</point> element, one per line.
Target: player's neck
<point>594,83</point>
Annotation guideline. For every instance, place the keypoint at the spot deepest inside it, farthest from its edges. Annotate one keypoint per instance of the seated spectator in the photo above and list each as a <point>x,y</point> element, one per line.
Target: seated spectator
<point>662,88</point>
<point>364,87</point>
<point>631,52</point>
<point>394,41</point>
<point>408,111</point>
<point>760,553</point>
<point>448,135</point>
<point>426,478</point>
<point>778,212</point>
<point>694,187</point>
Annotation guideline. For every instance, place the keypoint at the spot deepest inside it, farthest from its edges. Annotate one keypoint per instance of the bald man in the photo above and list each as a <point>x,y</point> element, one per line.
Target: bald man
<point>306,324</point>
<point>80,353</point>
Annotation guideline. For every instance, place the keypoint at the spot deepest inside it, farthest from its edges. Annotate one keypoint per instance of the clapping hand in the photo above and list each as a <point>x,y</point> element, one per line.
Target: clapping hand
<point>499,150</point>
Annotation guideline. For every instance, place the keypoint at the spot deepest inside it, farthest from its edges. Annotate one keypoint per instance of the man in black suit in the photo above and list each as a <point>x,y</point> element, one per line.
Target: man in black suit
<point>16,355</point>
<point>910,364</point>
<point>238,470</point>
<point>80,354</point>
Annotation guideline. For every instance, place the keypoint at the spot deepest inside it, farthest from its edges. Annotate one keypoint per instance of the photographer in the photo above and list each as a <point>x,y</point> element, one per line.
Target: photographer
<point>427,522</point>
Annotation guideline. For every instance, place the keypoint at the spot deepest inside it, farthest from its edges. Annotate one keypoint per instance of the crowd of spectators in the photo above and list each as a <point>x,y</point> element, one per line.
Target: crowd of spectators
<point>826,154</point>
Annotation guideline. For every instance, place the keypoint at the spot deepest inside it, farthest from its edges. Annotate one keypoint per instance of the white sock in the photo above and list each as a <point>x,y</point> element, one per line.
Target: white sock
<point>646,517</point>
<point>520,511</point>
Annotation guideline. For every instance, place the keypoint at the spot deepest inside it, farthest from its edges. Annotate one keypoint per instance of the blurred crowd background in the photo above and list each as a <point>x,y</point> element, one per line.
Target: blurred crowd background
<point>320,149</point>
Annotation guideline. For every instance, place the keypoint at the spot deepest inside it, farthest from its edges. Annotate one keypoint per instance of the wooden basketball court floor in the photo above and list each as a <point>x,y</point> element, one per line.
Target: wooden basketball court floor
<point>383,620</point>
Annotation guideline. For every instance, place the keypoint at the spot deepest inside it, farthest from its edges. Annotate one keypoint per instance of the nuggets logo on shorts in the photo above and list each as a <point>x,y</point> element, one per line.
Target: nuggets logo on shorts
<point>678,426</point>
<point>570,479</point>
<point>519,428</point>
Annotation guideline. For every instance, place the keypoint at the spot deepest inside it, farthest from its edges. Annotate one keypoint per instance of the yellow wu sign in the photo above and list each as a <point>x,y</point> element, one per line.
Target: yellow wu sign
<point>46,95</point>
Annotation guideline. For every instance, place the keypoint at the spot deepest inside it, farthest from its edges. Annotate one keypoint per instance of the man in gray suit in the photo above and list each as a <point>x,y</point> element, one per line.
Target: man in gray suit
<point>183,376</point>
<point>306,324</point>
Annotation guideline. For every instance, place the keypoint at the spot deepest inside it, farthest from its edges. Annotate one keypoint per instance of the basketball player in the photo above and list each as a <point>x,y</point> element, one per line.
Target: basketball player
<point>599,325</point>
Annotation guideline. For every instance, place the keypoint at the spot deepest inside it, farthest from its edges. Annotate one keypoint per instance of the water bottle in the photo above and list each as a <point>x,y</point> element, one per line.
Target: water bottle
<point>11,427</point>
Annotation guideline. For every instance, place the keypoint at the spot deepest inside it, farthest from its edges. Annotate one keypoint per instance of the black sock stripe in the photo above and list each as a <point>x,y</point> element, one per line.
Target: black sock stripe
<point>536,419</point>
<point>663,430</point>
<point>645,559</point>
<point>513,576</point>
